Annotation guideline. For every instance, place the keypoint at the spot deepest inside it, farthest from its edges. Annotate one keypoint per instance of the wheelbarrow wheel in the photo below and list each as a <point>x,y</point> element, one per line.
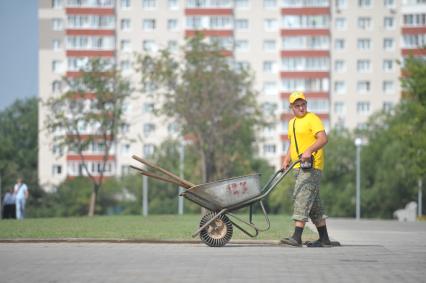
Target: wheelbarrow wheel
<point>217,233</point>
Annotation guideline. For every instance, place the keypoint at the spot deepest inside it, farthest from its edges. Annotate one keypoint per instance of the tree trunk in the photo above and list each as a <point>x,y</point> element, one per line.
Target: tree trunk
<point>92,204</point>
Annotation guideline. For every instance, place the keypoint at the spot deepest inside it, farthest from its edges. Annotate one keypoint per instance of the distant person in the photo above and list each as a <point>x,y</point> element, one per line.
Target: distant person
<point>21,194</point>
<point>9,205</point>
<point>307,138</point>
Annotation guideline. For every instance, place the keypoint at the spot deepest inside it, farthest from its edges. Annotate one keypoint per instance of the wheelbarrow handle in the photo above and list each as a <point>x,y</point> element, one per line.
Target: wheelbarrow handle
<point>277,177</point>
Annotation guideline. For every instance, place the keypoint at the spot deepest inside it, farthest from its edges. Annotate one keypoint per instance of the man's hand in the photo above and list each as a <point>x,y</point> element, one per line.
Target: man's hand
<point>306,155</point>
<point>286,163</point>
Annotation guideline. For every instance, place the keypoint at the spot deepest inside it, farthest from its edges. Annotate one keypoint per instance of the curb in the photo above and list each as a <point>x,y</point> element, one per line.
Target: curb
<point>131,241</point>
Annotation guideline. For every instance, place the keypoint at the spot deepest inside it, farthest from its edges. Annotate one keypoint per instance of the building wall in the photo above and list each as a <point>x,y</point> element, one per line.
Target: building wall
<point>355,101</point>
<point>312,46</point>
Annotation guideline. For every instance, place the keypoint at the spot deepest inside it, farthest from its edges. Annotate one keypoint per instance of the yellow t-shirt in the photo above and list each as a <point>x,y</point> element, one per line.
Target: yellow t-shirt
<point>306,127</point>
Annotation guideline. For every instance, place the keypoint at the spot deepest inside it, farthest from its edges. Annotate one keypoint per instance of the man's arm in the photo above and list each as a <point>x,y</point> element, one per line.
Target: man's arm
<point>321,141</point>
<point>287,157</point>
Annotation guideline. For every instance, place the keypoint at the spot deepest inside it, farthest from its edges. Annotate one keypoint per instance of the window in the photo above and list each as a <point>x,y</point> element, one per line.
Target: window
<point>125,4</point>
<point>364,44</point>
<point>172,24</point>
<point>56,4</point>
<point>269,45</point>
<point>387,106</point>
<point>363,108</point>
<point>363,66</point>
<point>389,3</point>
<point>305,63</point>
<point>56,170</point>
<point>194,22</point>
<point>241,65</point>
<point>241,45</point>
<point>149,45</point>
<point>57,66</point>
<point>270,88</point>
<point>57,24</point>
<point>148,4</point>
<point>341,23</point>
<point>148,149</point>
<point>270,24</point>
<point>220,22</point>
<point>388,87</point>
<point>241,24</point>
<point>339,66</point>
<point>125,66</point>
<point>269,148</point>
<point>57,45</point>
<point>125,46</point>
<point>365,3</point>
<point>318,105</point>
<point>125,24</point>
<point>413,40</point>
<point>269,4</point>
<point>388,65</point>
<point>339,108</point>
<point>364,23</point>
<point>173,128</point>
<point>172,45</point>
<point>388,44</point>
<point>269,108</point>
<point>305,21</point>
<point>306,42</point>
<point>389,22</point>
<point>148,129</point>
<point>269,66</point>
<point>340,87</point>
<point>241,4</point>
<point>125,148</point>
<point>148,24</point>
<point>125,170</point>
<point>341,4</point>
<point>148,107</point>
<point>363,86</point>
<point>56,87</point>
<point>308,85</point>
<point>415,20</point>
<point>339,44</point>
<point>173,4</point>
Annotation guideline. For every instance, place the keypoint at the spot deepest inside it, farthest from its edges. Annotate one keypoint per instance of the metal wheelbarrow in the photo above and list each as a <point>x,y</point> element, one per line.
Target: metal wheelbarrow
<point>221,198</point>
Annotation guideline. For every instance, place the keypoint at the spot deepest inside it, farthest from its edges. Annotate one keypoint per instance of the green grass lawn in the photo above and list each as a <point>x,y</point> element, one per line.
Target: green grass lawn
<point>152,227</point>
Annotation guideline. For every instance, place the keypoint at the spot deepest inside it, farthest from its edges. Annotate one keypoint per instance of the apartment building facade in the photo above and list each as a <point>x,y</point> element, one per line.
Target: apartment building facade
<point>341,53</point>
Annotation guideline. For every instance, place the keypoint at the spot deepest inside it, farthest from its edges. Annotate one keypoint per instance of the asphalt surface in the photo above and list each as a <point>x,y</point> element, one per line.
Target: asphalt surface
<point>371,251</point>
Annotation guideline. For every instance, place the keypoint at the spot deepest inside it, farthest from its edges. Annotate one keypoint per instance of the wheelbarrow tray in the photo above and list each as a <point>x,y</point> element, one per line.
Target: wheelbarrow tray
<point>228,193</point>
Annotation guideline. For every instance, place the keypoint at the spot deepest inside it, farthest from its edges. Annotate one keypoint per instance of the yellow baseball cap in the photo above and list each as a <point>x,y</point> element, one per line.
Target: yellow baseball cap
<point>295,95</point>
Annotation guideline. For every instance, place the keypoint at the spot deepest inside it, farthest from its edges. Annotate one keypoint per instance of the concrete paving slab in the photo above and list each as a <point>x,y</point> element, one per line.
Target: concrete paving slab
<point>372,251</point>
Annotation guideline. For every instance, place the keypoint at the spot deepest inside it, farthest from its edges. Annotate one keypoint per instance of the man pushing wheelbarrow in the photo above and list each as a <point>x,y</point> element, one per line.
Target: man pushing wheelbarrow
<point>307,138</point>
<point>222,198</point>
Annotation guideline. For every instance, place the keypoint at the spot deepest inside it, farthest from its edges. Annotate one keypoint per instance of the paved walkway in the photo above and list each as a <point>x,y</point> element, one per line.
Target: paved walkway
<point>372,251</point>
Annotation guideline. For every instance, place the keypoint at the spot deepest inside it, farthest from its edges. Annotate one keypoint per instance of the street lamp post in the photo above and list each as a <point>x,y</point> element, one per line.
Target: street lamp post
<point>358,144</point>
<point>144,195</point>
<point>181,170</point>
<point>419,198</point>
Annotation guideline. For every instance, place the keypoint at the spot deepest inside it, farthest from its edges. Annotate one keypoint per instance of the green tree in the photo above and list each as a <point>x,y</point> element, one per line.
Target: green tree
<point>338,182</point>
<point>394,158</point>
<point>18,143</point>
<point>85,127</point>
<point>213,103</point>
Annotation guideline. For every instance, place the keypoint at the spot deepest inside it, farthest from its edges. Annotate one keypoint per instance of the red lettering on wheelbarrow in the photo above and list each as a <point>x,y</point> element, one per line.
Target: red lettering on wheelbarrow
<point>239,188</point>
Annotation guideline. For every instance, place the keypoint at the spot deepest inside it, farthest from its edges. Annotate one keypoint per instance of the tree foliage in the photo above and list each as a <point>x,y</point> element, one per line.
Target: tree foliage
<point>212,101</point>
<point>18,143</point>
<point>90,115</point>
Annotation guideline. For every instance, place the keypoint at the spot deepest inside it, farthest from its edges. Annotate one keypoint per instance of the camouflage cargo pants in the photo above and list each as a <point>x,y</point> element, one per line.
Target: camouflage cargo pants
<point>306,197</point>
